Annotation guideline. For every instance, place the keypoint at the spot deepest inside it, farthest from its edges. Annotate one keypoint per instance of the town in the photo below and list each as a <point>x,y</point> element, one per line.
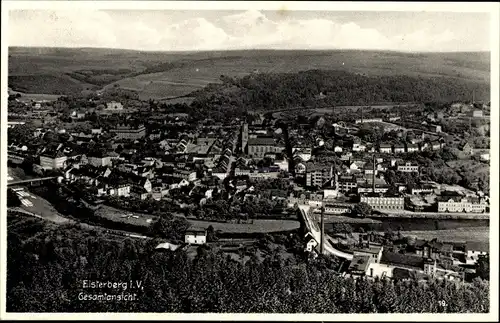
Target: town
<point>326,175</point>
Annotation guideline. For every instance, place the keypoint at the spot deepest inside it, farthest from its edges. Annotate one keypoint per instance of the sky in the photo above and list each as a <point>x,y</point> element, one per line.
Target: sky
<point>188,30</point>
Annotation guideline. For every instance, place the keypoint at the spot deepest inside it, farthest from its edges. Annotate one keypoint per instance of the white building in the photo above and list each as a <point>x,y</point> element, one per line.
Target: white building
<point>196,236</point>
<point>54,161</point>
<point>99,161</point>
<point>459,204</point>
<point>386,149</point>
<point>384,203</point>
<point>358,147</point>
<point>408,168</point>
<point>473,250</point>
<point>114,106</point>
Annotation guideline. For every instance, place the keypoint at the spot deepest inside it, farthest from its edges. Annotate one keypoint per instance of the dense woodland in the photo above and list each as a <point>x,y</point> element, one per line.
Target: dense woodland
<point>48,264</point>
<point>281,91</point>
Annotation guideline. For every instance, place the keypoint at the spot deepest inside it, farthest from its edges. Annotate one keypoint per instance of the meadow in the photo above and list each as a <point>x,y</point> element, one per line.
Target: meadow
<point>258,226</point>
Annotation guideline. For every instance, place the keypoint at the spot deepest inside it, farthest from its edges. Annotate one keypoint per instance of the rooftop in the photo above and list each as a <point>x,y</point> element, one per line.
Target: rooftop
<point>261,141</point>
<point>398,259</point>
<point>359,264</point>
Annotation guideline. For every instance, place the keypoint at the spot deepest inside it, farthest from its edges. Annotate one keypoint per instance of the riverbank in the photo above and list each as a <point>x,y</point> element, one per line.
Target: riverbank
<point>437,216</point>
<point>475,234</point>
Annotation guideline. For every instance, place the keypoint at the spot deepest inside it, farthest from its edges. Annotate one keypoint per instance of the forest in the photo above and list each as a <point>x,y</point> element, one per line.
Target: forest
<point>320,88</point>
<point>48,265</point>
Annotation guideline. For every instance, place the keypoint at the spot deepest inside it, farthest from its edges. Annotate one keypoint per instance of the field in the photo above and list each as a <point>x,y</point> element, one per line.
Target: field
<point>257,226</point>
<point>263,226</point>
<point>163,74</point>
<point>114,214</point>
<point>479,234</point>
<point>28,97</point>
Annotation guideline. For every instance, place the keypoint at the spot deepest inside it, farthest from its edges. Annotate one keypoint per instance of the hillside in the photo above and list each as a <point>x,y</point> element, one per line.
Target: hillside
<point>170,74</point>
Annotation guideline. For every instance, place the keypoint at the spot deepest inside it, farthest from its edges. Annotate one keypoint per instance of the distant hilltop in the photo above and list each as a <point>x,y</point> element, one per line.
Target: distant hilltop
<point>156,75</point>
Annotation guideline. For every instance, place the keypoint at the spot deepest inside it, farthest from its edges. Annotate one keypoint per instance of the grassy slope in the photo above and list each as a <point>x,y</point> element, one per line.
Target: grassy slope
<point>198,69</point>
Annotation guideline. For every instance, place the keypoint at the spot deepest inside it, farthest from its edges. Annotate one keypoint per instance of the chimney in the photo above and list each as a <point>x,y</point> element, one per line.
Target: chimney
<point>322,246</point>
<point>373,175</point>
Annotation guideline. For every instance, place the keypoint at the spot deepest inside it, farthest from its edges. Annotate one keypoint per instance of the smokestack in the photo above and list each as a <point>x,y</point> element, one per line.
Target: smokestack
<point>373,175</point>
<point>322,244</point>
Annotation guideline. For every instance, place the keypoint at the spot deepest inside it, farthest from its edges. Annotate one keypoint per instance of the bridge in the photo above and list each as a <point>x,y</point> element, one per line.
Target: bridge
<point>311,223</point>
<point>31,180</point>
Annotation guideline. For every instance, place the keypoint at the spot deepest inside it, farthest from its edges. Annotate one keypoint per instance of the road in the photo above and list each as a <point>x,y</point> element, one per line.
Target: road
<point>313,228</point>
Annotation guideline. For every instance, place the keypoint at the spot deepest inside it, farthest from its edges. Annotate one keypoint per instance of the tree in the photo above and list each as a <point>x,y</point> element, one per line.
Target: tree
<point>170,227</point>
<point>483,267</point>
<point>12,199</point>
<point>211,234</point>
<point>346,229</point>
<point>362,209</point>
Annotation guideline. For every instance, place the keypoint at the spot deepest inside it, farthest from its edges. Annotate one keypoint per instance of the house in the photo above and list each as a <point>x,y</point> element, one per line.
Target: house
<point>372,250</point>
<point>300,168</point>
<point>317,175</point>
<point>411,148</point>
<point>346,156</point>
<point>337,208</point>
<point>114,106</point>
<point>385,148</point>
<point>433,249</point>
<point>424,189</point>
<point>346,184</point>
<point>99,159</point>
<point>145,183</point>
<point>258,147</point>
<point>195,236</point>
<point>337,149</point>
<point>311,242</point>
<point>76,114</point>
<point>119,190</point>
<point>359,265</point>
<point>358,146</point>
<point>403,261</point>
<point>356,165</point>
<point>139,192</point>
<point>473,250</point>
<point>437,144</point>
<point>477,113</point>
<point>303,153</point>
<point>384,203</point>
<point>53,160</point>
<point>129,132</point>
<point>369,189</point>
<point>408,167</point>
<point>468,149</point>
<point>424,146</point>
<point>462,204</point>
<point>282,164</point>
<point>368,120</point>
<point>399,148</point>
